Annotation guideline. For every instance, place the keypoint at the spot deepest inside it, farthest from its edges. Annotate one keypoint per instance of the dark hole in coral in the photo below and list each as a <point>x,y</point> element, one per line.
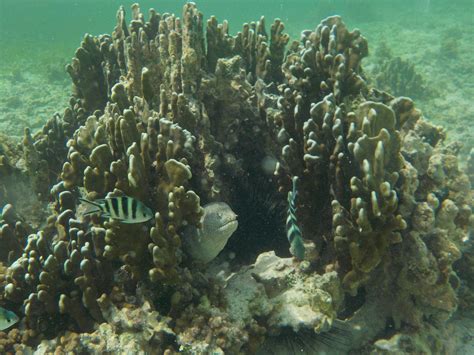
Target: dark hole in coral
<point>254,197</point>
<point>441,194</point>
<point>353,303</point>
<point>389,328</point>
<point>262,214</point>
<point>162,302</point>
<point>167,341</point>
<point>49,326</point>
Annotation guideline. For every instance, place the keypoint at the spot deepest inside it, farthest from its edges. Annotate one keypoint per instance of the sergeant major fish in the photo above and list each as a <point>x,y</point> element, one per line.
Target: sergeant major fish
<point>123,208</point>
<point>7,318</point>
<point>293,232</point>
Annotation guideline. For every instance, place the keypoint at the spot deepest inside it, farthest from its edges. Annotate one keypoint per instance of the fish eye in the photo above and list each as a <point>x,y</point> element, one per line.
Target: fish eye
<point>9,320</point>
<point>219,215</point>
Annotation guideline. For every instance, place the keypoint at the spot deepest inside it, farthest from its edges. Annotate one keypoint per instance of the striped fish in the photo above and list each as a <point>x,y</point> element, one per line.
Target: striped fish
<point>293,232</point>
<point>123,208</point>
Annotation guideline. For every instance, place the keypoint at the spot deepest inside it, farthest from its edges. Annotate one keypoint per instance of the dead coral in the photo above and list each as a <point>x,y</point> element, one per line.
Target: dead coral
<point>17,341</point>
<point>128,329</point>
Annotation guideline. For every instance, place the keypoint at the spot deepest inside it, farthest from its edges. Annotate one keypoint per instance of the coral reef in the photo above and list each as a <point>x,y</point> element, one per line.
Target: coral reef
<point>397,75</point>
<point>286,296</point>
<point>400,77</point>
<point>177,113</point>
<point>125,330</point>
<point>470,166</point>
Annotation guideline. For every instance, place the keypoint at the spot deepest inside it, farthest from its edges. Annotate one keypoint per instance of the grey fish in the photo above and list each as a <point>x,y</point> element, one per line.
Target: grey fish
<point>7,318</point>
<point>123,208</point>
<point>219,222</point>
<point>293,232</point>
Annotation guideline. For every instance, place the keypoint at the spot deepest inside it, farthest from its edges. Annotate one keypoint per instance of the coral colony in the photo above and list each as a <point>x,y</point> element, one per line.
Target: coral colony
<point>174,114</point>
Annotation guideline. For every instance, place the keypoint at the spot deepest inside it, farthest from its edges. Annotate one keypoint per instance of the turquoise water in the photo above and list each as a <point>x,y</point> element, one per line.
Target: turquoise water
<point>59,25</point>
<point>38,38</point>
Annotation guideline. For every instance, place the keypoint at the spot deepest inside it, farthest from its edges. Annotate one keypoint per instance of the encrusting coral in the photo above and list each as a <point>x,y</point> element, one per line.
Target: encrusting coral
<point>176,112</point>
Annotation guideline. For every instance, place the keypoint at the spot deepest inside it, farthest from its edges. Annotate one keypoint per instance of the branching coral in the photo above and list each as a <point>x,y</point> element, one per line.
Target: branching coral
<point>348,152</point>
<point>13,235</point>
<point>400,77</point>
<point>374,222</point>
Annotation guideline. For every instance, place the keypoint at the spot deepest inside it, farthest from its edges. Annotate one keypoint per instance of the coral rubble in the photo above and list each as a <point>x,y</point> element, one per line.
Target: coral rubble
<point>178,113</point>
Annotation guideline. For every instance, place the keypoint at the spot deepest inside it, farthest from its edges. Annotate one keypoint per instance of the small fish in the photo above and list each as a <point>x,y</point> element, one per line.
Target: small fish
<point>293,232</point>
<point>124,209</point>
<point>7,318</point>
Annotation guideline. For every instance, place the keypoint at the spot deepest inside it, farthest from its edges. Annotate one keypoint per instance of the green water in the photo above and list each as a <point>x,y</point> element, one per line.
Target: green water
<point>29,28</point>
<point>60,23</point>
<point>37,39</point>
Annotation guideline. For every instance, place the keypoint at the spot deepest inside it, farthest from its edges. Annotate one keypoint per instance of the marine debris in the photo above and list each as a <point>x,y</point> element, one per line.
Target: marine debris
<point>175,112</point>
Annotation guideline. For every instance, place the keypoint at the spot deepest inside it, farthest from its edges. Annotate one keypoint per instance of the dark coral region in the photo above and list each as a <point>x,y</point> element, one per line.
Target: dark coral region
<point>177,113</point>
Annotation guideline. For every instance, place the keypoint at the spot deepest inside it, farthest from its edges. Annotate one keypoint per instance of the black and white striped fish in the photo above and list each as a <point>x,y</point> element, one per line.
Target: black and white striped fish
<point>293,232</point>
<point>123,208</point>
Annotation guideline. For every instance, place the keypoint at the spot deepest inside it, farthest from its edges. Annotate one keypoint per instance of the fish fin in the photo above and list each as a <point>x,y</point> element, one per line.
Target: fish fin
<point>294,181</point>
<point>297,248</point>
<point>93,203</point>
<point>90,212</point>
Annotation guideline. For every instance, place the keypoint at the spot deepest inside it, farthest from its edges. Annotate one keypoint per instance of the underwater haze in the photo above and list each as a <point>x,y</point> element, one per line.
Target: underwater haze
<point>237,177</point>
<point>433,35</point>
<point>39,37</point>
